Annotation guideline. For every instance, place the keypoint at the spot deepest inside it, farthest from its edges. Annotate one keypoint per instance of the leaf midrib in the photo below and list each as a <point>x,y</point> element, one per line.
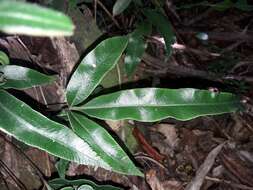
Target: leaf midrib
<point>96,145</point>
<point>160,105</point>
<point>53,139</point>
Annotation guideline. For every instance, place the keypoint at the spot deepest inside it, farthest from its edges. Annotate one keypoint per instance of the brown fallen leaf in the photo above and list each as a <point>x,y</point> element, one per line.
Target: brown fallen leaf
<point>203,170</point>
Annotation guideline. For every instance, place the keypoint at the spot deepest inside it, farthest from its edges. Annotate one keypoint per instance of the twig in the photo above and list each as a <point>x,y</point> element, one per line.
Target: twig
<point>43,96</point>
<point>232,46</point>
<point>180,71</point>
<point>4,180</point>
<point>150,159</point>
<point>109,14</point>
<point>219,36</point>
<point>250,128</point>
<point>163,68</point>
<point>240,64</point>
<point>196,51</point>
<point>39,172</point>
<point>34,61</point>
<point>95,11</point>
<point>13,176</point>
<point>169,8</point>
<point>119,75</point>
<point>199,17</point>
<point>236,185</point>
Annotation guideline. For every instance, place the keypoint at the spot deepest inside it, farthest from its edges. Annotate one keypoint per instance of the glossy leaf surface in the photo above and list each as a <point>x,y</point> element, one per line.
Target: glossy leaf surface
<point>30,19</point>
<point>120,6</point>
<point>85,187</point>
<point>163,26</point>
<point>136,47</point>
<point>103,144</point>
<point>21,77</point>
<point>25,124</point>
<point>93,68</point>
<point>4,59</point>
<point>67,188</point>
<point>59,183</point>
<point>154,104</point>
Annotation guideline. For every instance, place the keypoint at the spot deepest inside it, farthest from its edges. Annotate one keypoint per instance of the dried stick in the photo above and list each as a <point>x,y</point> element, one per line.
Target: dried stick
<point>236,185</point>
<point>109,14</point>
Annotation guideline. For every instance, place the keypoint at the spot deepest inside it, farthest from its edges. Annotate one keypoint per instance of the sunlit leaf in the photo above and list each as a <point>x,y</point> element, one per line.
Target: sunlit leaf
<point>93,68</point>
<point>34,20</point>
<point>120,6</point>
<point>103,144</point>
<point>154,104</point>
<point>25,124</point>
<point>21,77</point>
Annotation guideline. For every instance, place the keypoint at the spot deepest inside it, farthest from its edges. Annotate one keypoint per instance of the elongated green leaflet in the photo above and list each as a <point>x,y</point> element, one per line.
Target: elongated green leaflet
<point>4,59</point>
<point>21,77</point>
<point>22,122</point>
<point>61,166</point>
<point>154,104</point>
<point>59,183</point>
<point>93,68</point>
<point>163,26</point>
<point>103,144</point>
<point>136,47</point>
<point>30,19</point>
<point>120,6</point>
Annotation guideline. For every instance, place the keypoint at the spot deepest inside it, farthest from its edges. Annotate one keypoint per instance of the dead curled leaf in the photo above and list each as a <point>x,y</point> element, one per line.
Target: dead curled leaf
<point>203,170</point>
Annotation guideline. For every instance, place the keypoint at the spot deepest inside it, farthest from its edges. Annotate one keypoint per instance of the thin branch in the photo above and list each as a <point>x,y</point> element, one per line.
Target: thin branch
<point>236,185</point>
<point>150,159</point>
<point>4,180</point>
<point>35,167</point>
<point>119,75</point>
<point>109,14</point>
<point>219,36</point>
<point>180,71</point>
<point>95,11</point>
<point>13,176</point>
<point>199,17</point>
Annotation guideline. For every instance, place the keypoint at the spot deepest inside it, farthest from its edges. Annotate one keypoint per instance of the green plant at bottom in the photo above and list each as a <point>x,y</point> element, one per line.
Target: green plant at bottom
<point>88,142</point>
